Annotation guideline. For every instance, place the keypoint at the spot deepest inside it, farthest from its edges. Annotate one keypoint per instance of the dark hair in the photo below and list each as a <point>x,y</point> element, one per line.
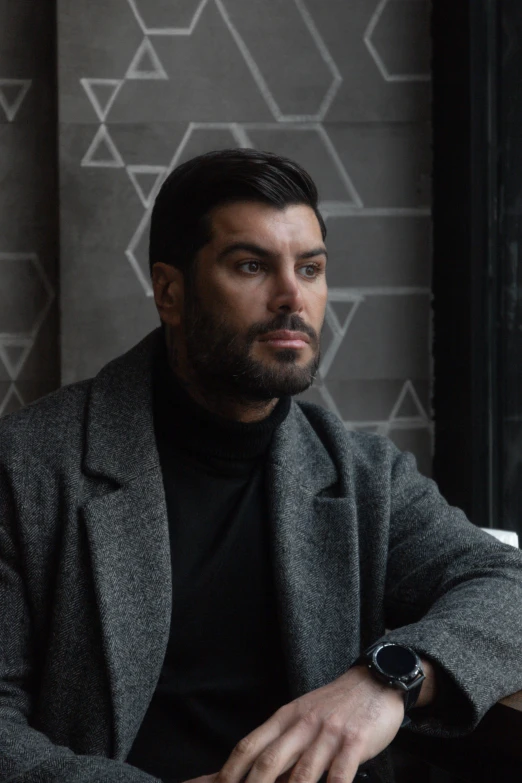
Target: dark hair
<point>180,224</point>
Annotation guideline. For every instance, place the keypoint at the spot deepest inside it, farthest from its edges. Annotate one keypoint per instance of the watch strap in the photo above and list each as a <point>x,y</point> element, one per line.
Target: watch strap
<point>411,697</point>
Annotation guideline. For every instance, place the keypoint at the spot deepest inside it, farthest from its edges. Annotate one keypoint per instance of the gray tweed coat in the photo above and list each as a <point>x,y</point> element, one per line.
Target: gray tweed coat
<point>362,542</point>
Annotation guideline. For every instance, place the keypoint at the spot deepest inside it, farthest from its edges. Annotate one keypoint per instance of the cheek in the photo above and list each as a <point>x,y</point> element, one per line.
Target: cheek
<point>317,306</point>
<point>218,301</point>
<point>245,304</point>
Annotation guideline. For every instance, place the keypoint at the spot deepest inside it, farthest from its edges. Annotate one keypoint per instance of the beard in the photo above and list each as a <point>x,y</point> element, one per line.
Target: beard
<point>221,363</point>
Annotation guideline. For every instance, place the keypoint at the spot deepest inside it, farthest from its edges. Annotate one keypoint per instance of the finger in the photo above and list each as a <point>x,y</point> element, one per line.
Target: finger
<point>283,753</point>
<point>343,768</point>
<point>318,758</point>
<point>250,747</point>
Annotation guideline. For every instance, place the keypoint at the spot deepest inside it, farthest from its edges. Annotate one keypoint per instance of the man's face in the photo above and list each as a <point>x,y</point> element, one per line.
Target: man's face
<point>261,275</point>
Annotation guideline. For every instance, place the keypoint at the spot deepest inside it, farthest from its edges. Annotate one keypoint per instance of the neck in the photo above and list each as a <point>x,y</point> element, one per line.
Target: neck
<point>245,411</point>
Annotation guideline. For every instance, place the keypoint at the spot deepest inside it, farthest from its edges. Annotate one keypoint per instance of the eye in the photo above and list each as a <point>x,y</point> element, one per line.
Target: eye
<point>312,270</point>
<point>252,267</point>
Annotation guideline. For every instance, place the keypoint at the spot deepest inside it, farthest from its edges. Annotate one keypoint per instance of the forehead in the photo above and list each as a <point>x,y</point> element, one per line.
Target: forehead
<point>264,223</point>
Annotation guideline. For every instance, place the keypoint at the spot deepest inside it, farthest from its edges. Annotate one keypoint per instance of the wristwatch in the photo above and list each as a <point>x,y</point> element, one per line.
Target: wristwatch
<point>397,666</point>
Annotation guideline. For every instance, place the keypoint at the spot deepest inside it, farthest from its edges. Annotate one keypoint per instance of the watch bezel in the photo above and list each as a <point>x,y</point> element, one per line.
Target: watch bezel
<point>405,682</point>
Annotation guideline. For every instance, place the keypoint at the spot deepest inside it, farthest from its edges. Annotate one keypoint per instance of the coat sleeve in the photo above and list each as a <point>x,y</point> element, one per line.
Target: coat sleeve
<point>454,594</point>
<point>28,755</point>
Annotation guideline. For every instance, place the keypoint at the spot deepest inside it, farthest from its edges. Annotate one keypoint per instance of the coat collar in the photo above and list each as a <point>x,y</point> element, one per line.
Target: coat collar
<point>120,429</point>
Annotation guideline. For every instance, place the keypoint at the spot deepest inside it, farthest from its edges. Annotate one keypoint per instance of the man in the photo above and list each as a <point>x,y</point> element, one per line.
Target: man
<point>192,563</point>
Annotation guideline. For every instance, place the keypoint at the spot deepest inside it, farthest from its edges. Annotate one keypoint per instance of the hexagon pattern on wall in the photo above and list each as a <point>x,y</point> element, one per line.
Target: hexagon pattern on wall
<point>158,19</point>
<point>394,22</point>
<point>293,122</point>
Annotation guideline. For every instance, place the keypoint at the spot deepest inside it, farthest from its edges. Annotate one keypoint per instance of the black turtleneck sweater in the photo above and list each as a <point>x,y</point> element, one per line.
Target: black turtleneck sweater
<point>223,673</point>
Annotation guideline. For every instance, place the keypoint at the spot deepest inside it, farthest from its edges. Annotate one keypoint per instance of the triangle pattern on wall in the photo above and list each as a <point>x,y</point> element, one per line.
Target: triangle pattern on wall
<point>14,354</point>
<point>102,94</point>
<point>12,94</point>
<point>344,312</point>
<point>12,401</point>
<point>146,63</point>
<point>408,406</point>
<point>102,151</point>
<point>146,180</point>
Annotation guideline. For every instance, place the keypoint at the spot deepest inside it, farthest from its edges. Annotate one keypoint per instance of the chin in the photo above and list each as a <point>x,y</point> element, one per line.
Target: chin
<point>283,374</point>
<point>289,356</point>
<point>282,384</point>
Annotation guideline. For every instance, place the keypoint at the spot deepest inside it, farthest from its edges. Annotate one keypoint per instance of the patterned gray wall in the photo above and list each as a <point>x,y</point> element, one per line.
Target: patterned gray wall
<point>29,341</point>
<point>342,86</point>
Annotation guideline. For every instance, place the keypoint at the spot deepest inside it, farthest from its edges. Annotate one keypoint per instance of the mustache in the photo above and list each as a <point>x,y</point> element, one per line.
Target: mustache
<point>291,323</point>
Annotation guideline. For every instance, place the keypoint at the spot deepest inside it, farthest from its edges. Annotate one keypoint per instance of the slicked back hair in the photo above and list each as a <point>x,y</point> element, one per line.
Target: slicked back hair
<point>180,222</point>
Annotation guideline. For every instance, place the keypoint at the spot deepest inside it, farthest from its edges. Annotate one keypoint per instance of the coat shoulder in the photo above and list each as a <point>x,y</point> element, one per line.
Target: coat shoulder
<point>47,427</point>
<point>359,447</point>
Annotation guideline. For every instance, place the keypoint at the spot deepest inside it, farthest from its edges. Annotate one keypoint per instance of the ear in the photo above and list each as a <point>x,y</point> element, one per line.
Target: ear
<point>168,286</point>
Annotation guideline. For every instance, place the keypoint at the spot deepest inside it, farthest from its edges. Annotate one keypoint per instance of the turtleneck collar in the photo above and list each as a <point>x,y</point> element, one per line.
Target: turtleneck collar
<point>185,424</point>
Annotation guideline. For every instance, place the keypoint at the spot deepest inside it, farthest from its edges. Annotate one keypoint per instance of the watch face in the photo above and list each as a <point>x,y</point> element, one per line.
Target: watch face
<point>396,661</point>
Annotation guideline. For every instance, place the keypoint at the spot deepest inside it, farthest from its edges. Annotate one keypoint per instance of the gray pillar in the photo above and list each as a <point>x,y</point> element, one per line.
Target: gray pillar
<point>29,322</point>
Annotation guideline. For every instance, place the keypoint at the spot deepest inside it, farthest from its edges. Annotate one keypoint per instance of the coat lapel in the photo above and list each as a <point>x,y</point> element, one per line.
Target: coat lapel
<point>128,537</point>
<point>315,556</point>
<point>127,534</point>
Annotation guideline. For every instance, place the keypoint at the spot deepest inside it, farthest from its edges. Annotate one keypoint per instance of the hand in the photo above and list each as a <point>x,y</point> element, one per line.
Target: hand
<point>336,728</point>
<point>204,778</point>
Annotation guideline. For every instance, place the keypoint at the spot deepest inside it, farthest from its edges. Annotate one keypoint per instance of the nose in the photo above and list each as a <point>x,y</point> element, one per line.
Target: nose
<point>286,294</point>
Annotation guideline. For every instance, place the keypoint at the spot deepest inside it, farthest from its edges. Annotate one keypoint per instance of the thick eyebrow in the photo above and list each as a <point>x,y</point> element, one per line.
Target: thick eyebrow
<point>250,247</point>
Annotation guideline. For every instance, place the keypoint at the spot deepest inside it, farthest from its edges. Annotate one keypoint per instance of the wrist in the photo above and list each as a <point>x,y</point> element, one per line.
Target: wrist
<point>428,690</point>
<point>398,667</point>
<point>379,687</point>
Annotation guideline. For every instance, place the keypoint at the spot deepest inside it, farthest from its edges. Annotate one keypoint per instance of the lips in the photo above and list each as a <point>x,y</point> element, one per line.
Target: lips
<point>286,339</point>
